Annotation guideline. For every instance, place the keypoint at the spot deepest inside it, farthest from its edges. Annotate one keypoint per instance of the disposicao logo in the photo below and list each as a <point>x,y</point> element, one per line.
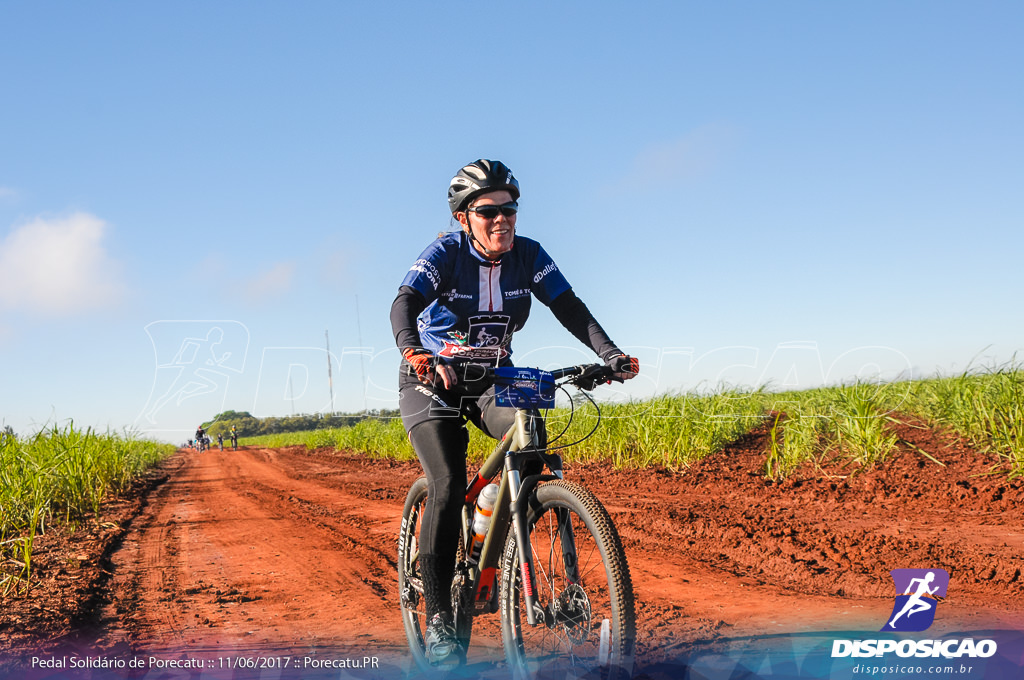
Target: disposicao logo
<point>914,610</point>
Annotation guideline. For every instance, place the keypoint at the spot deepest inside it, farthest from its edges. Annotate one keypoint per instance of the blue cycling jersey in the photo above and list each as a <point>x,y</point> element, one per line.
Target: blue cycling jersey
<point>475,305</point>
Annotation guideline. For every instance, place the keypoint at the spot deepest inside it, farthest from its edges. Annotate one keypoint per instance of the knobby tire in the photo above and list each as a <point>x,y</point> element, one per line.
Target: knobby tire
<point>569,642</point>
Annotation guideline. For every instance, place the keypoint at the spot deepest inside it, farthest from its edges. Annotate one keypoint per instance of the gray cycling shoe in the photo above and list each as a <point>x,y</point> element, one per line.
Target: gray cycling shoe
<point>443,647</point>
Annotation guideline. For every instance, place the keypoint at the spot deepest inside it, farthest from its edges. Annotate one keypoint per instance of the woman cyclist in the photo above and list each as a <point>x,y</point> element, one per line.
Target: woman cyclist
<point>460,302</point>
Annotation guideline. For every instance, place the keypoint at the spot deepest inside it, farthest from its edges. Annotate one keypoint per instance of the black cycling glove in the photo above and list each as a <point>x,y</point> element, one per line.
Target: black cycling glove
<point>624,367</point>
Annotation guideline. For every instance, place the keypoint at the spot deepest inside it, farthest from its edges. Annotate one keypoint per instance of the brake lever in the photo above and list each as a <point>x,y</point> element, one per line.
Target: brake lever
<point>599,375</point>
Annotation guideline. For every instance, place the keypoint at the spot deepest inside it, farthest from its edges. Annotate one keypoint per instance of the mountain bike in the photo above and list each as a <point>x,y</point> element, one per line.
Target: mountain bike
<point>552,562</point>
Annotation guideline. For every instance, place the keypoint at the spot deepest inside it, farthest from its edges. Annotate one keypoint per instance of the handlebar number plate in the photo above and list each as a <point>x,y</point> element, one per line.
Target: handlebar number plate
<point>523,388</point>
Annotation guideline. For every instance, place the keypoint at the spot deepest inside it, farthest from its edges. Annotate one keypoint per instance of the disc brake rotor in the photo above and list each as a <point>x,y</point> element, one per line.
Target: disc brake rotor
<point>572,611</point>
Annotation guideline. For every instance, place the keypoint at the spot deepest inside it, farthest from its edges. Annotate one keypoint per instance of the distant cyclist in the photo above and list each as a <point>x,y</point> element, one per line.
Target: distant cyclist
<point>220,441</point>
<point>234,438</point>
<point>461,302</point>
<point>200,437</point>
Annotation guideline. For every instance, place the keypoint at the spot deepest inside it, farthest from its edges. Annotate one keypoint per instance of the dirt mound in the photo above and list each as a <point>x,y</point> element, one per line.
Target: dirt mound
<point>824,540</point>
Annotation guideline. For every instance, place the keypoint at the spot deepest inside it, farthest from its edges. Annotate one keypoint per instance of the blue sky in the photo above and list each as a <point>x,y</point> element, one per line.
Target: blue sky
<point>788,193</point>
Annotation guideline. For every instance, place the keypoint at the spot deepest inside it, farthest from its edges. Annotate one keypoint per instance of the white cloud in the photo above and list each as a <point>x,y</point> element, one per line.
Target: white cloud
<point>272,283</point>
<point>695,154</point>
<point>58,266</point>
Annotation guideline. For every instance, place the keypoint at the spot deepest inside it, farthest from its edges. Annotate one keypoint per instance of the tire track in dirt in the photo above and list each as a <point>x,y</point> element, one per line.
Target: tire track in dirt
<point>228,556</point>
<point>340,537</point>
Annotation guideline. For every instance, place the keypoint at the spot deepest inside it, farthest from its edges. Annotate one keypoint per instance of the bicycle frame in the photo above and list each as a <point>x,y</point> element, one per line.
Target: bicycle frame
<point>550,618</point>
<point>520,442</point>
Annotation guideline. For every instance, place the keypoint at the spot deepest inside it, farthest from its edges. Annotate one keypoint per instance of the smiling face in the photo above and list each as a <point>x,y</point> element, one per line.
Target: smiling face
<point>492,237</point>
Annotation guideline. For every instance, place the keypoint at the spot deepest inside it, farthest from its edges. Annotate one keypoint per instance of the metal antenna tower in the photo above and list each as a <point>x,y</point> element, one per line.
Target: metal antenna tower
<point>362,355</point>
<point>330,377</point>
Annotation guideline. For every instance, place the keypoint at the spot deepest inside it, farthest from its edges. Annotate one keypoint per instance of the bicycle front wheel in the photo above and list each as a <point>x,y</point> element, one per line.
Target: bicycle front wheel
<point>586,626</point>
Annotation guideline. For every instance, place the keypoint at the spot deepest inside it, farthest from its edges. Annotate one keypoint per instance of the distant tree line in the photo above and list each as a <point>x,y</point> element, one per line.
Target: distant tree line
<point>248,425</point>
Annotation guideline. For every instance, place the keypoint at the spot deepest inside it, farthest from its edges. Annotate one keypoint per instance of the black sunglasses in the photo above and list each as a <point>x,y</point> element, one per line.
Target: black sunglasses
<point>489,212</point>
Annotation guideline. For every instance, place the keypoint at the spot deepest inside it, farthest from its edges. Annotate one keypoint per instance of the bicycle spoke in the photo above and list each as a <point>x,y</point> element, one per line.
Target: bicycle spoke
<point>582,633</point>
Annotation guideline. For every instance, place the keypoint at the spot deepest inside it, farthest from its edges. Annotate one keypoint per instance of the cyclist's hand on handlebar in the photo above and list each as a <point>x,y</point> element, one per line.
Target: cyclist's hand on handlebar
<point>428,368</point>
<point>447,374</point>
<point>623,366</point>
<point>422,361</point>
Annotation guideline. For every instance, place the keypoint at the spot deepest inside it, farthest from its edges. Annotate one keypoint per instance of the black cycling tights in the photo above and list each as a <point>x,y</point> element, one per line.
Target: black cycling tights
<point>441,447</point>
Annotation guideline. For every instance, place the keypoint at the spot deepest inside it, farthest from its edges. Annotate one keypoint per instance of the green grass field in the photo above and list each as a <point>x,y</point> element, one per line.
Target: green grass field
<point>60,476</point>
<point>851,422</point>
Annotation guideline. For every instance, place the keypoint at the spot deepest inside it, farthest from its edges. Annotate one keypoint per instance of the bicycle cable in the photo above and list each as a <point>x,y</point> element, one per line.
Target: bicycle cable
<point>572,414</point>
<point>572,411</point>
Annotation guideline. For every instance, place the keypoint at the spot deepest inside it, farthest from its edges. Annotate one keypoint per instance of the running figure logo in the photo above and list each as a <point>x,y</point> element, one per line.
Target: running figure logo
<point>914,609</point>
<point>195,361</point>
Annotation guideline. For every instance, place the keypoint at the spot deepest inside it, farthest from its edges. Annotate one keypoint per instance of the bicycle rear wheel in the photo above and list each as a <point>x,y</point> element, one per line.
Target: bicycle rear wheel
<point>410,582</point>
<point>584,587</point>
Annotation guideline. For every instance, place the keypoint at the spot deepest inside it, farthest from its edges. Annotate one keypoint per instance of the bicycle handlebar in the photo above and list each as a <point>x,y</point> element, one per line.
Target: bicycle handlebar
<point>584,376</point>
<point>587,376</point>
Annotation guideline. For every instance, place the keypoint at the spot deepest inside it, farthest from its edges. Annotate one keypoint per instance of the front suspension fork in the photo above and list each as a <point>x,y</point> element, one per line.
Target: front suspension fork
<point>520,509</point>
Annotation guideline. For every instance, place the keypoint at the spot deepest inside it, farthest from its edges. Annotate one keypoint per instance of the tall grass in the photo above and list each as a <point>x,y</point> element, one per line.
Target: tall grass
<point>986,407</point>
<point>672,431</point>
<point>373,437</point>
<point>60,475</point>
<point>848,424</point>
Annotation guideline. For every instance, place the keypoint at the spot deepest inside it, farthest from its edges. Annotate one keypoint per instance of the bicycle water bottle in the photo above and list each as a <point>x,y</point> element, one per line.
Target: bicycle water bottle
<point>482,520</point>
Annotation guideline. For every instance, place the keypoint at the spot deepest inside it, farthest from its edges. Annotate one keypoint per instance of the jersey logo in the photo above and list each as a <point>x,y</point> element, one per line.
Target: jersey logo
<point>544,272</point>
<point>426,268</point>
<point>517,293</point>
<point>486,340</point>
<point>454,294</point>
<point>459,338</point>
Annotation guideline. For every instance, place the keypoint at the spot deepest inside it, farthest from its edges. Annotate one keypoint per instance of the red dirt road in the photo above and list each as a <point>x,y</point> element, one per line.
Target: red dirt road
<point>282,550</point>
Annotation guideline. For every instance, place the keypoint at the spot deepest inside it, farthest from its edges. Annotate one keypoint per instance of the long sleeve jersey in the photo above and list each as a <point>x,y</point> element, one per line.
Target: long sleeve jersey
<point>463,307</point>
